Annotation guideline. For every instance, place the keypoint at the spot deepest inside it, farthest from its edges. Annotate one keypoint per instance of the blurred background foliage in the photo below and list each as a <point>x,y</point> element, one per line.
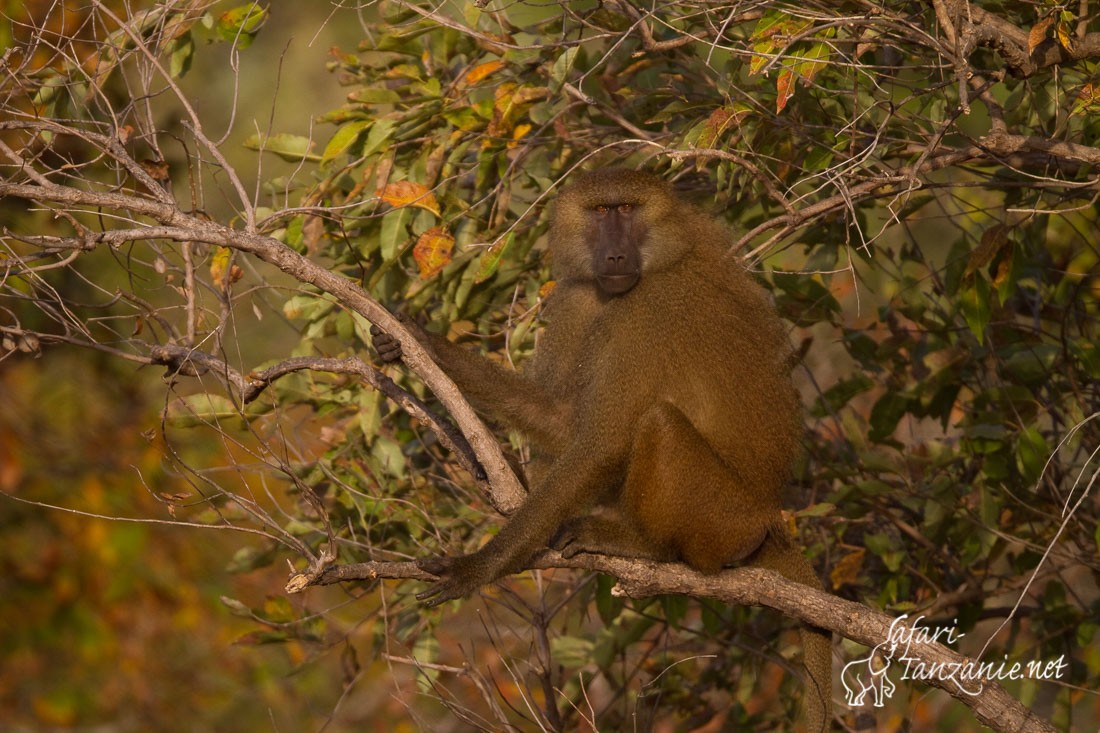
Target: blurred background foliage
<point>941,279</point>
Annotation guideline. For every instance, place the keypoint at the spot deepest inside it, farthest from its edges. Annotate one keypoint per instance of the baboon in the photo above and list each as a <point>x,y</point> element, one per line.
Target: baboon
<point>658,403</point>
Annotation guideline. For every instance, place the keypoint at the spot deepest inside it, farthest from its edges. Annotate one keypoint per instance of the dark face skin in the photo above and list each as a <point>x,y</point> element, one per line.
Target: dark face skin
<point>617,233</point>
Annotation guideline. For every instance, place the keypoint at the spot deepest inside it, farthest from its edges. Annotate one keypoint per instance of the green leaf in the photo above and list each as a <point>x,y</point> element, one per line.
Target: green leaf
<point>426,650</point>
<point>814,60</point>
<point>344,138</point>
<point>236,607</point>
<point>182,52</point>
<point>379,133</point>
<point>886,414</point>
<point>1032,364</point>
<point>258,638</point>
<point>389,457</point>
<point>975,307</point>
<point>394,232</point>
<point>466,119</point>
<point>247,559</point>
<point>374,95</point>
<point>1087,629</point>
<point>572,651</point>
<point>294,148</point>
<point>675,608</point>
<point>1032,453</point>
<point>50,89</point>
<point>770,23</point>
<point>986,438</point>
<point>821,509</point>
<point>818,159</point>
<point>841,393</point>
<point>240,24</point>
<point>490,258</point>
<point>307,307</point>
<point>875,487</point>
<point>562,67</point>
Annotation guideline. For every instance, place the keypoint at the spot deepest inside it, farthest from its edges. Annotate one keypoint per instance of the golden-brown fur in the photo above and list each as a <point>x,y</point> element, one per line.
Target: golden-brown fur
<point>658,403</point>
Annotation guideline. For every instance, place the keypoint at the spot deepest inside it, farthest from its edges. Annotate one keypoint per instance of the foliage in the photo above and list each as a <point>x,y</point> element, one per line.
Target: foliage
<point>917,183</point>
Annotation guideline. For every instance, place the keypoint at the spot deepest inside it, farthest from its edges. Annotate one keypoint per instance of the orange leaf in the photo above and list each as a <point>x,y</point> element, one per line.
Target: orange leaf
<point>784,85</point>
<point>479,72</point>
<point>1038,33</point>
<point>432,251</point>
<point>407,193</point>
<point>157,169</point>
<point>547,288</point>
<point>717,123</point>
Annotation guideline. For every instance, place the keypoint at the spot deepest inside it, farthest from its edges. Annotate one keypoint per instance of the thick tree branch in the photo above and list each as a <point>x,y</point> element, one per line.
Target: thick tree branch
<point>507,492</point>
<point>747,586</point>
<point>978,27</point>
<point>1004,144</point>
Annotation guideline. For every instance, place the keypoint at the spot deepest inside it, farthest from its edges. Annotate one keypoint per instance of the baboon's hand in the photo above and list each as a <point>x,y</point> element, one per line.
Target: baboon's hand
<point>458,577</point>
<point>388,348</point>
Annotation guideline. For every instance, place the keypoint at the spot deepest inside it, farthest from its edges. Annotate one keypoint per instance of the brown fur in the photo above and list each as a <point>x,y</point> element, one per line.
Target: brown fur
<point>663,418</point>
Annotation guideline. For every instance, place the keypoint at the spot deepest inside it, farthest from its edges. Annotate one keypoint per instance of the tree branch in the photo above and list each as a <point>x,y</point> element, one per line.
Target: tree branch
<point>748,586</point>
<point>507,492</point>
<point>980,27</point>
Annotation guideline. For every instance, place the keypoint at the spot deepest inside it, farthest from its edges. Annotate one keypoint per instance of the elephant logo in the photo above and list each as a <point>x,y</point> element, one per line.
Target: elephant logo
<point>868,674</point>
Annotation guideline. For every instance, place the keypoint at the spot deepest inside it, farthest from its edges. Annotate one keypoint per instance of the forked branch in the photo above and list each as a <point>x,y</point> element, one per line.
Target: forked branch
<point>172,223</point>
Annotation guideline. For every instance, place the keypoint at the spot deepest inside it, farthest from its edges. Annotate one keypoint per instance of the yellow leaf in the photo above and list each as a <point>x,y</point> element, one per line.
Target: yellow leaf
<point>816,58</point>
<point>846,570</point>
<point>1064,36</point>
<point>517,134</point>
<point>222,271</point>
<point>407,193</point>
<point>527,94</point>
<point>509,103</point>
<point>432,251</point>
<point>760,56</point>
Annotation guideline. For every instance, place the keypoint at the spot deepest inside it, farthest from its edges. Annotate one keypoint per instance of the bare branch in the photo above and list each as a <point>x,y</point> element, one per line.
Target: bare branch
<point>747,586</point>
